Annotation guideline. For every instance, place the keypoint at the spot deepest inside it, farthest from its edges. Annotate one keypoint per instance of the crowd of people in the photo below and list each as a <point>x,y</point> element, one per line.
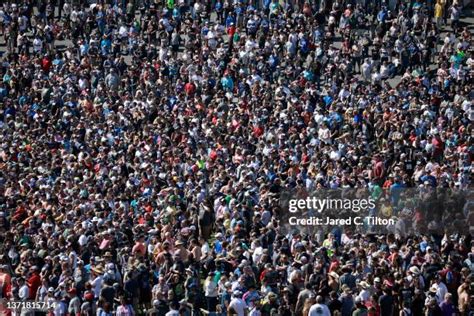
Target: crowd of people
<point>145,145</point>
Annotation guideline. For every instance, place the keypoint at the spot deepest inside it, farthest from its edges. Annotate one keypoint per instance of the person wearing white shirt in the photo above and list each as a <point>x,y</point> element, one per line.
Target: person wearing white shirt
<point>470,62</point>
<point>123,32</point>
<point>364,294</point>
<point>344,94</point>
<point>324,134</point>
<point>37,45</point>
<point>376,77</point>
<point>74,16</point>
<point>97,281</point>
<point>60,308</point>
<point>204,248</point>
<point>319,309</point>
<point>237,304</point>
<point>290,48</point>
<point>255,312</point>
<point>366,70</point>
<point>318,117</point>
<point>257,250</point>
<point>335,155</point>
<point>125,309</point>
<point>385,70</point>
<point>210,292</point>
<point>23,292</point>
<point>441,290</point>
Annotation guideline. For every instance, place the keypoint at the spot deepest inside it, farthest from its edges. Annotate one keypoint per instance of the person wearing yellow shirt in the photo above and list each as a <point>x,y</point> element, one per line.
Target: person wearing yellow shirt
<point>438,13</point>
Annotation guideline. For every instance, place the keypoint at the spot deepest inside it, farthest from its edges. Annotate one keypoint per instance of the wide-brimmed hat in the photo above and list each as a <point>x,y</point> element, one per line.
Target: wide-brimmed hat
<point>98,270</point>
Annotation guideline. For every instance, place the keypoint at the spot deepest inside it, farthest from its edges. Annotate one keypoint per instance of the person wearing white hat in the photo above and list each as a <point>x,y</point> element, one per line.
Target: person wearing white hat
<point>432,295</point>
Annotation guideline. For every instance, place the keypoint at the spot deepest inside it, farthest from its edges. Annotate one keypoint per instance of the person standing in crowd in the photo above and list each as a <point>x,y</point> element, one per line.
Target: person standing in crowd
<point>210,291</point>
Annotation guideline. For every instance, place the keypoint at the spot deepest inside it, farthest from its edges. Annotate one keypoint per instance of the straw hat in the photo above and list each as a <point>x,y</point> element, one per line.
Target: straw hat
<point>98,269</point>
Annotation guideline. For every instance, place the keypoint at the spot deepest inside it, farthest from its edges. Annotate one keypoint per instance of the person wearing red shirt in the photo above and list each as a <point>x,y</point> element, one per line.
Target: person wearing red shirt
<point>393,257</point>
<point>46,63</point>
<point>190,88</point>
<point>378,170</point>
<point>34,282</point>
<point>334,264</point>
<point>373,306</point>
<point>5,281</point>
<point>231,30</point>
<point>388,183</point>
<point>438,147</point>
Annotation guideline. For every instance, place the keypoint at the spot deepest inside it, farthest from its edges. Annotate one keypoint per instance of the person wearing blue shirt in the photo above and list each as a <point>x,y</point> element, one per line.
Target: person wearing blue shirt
<point>273,61</point>
<point>219,8</point>
<point>105,45</point>
<point>251,295</point>
<point>218,246</point>
<point>424,244</point>
<point>358,118</point>
<point>239,13</point>
<point>227,83</point>
<point>100,21</point>
<point>327,100</point>
<point>264,24</point>
<point>266,6</point>
<point>382,15</point>
<point>177,14</point>
<point>229,20</point>
<point>205,29</point>
<point>3,91</point>
<point>396,190</point>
